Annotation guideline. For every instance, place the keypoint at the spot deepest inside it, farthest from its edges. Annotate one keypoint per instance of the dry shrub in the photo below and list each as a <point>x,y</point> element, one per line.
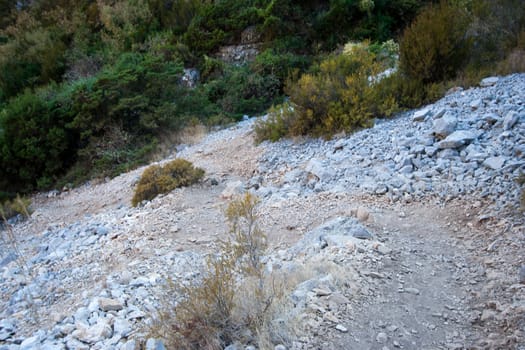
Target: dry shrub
<point>16,206</point>
<point>513,63</point>
<point>162,179</point>
<point>236,300</point>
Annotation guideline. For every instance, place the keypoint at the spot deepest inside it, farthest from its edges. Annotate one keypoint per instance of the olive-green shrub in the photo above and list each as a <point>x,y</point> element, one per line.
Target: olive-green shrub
<point>436,45</point>
<point>343,94</point>
<point>162,179</point>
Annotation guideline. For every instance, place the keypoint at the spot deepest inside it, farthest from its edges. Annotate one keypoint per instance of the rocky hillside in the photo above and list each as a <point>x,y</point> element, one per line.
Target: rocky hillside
<point>406,235</point>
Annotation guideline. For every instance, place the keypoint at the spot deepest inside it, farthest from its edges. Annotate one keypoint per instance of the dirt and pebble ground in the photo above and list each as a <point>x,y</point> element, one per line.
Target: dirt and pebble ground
<point>436,263</point>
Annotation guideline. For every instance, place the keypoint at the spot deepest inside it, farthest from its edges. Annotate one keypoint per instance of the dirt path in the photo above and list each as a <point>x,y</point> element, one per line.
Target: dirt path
<point>413,297</point>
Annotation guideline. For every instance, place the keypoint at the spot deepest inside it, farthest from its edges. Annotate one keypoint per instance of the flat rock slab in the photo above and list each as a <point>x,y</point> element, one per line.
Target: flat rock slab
<point>457,139</point>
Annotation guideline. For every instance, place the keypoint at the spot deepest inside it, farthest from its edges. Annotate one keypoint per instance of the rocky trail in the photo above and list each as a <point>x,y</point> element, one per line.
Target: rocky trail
<point>407,235</point>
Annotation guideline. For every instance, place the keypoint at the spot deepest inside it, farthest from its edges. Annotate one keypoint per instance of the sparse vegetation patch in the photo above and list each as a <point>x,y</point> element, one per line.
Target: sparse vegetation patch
<point>162,179</point>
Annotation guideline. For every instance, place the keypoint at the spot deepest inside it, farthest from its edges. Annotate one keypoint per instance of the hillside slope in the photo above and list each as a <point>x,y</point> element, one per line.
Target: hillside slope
<point>440,264</point>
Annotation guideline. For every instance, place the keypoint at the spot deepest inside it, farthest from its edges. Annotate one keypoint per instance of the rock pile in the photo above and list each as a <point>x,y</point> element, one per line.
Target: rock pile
<point>469,142</point>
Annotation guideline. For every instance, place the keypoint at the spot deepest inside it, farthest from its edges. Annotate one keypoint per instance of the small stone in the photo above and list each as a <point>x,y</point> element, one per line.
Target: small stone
<point>420,115</point>
<point>29,343</point>
<point>362,214</point>
<point>444,126</point>
<point>414,291</point>
<point>510,120</point>
<point>490,81</point>
<point>154,344</point>
<point>320,292</point>
<point>107,304</point>
<point>280,347</point>
<point>382,338</point>
<point>383,250</point>
<point>381,189</point>
<point>476,104</point>
<point>487,315</point>
<point>121,327</point>
<point>341,328</point>
<point>494,163</point>
<point>521,275</point>
<point>94,334</point>
<point>439,113</point>
<point>360,232</point>
<point>232,189</point>
<point>232,347</point>
<point>457,139</point>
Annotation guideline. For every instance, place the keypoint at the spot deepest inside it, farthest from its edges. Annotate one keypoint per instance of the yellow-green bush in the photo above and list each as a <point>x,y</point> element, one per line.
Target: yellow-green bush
<point>162,179</point>
<point>343,95</point>
<point>436,45</point>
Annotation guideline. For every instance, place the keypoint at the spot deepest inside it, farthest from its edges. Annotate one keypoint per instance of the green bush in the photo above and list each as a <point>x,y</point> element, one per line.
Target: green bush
<point>436,46</point>
<point>280,65</point>
<point>240,91</point>
<point>35,144</point>
<point>163,179</point>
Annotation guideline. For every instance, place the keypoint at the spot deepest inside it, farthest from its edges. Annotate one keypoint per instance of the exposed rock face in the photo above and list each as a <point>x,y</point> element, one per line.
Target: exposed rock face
<point>239,54</point>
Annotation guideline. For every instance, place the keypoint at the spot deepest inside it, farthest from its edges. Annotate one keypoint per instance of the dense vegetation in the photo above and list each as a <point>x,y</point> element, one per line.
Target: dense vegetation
<point>448,43</point>
<point>92,88</point>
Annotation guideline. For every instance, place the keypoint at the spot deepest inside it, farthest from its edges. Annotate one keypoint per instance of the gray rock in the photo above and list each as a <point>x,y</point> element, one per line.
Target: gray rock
<point>107,304</point>
<point>440,112</point>
<point>360,232</point>
<point>155,344</point>
<point>323,172</point>
<point>490,81</point>
<point>521,274</point>
<point>510,120</point>
<point>190,78</point>
<point>232,347</point>
<point>381,338</point>
<point>381,189</point>
<point>444,126</point>
<point>494,163</point>
<point>475,104</point>
<point>420,115</point>
<point>94,334</point>
<point>490,118</point>
<point>82,315</point>
<point>53,346</point>
<point>280,347</point>
<point>457,139</point>
<point>30,343</point>
<point>341,328</point>
<point>122,327</point>
<point>131,345</point>
<point>232,189</point>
